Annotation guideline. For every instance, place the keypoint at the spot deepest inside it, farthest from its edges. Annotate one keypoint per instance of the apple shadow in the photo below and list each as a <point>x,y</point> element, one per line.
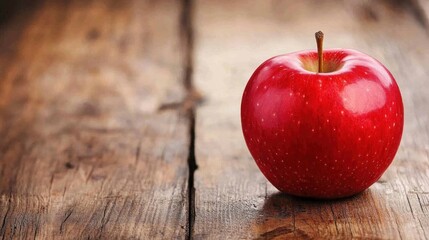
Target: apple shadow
<point>283,215</point>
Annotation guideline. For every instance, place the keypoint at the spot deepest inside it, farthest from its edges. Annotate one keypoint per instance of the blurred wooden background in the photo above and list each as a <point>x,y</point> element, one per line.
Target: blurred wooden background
<point>120,119</point>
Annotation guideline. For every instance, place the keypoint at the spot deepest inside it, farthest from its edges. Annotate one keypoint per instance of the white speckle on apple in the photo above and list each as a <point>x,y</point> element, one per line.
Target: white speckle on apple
<point>359,139</point>
<point>265,87</point>
<point>375,127</point>
<point>342,112</point>
<point>312,129</point>
<point>262,119</point>
<point>366,73</point>
<point>274,114</point>
<point>327,120</point>
<point>257,104</point>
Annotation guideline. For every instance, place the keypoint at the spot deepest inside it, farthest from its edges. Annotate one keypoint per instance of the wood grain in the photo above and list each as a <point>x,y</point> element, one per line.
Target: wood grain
<point>232,199</point>
<point>85,151</point>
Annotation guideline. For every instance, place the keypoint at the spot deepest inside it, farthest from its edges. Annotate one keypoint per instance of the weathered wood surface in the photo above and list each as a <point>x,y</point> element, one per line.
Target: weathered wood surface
<point>85,151</point>
<point>97,128</point>
<point>232,198</point>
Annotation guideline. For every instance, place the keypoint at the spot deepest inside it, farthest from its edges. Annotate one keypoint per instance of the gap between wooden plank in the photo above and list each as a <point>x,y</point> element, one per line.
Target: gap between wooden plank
<point>187,33</point>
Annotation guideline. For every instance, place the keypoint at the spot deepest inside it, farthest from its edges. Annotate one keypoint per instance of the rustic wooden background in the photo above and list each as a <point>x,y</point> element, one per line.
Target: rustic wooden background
<point>120,119</point>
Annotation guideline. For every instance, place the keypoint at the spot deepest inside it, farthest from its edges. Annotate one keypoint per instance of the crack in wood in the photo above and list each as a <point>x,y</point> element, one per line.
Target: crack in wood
<point>277,232</point>
<point>68,214</point>
<point>420,203</point>
<point>411,207</point>
<point>107,212</point>
<point>191,100</point>
<point>3,225</point>
<point>334,217</point>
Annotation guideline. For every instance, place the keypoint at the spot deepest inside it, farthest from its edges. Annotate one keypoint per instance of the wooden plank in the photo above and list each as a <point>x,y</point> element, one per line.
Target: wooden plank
<point>232,198</point>
<point>84,150</point>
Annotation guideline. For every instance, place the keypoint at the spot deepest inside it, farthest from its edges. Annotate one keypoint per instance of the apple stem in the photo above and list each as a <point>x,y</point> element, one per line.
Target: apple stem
<point>319,41</point>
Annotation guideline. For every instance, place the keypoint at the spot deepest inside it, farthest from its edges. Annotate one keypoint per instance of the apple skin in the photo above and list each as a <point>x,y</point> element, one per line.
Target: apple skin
<point>322,135</point>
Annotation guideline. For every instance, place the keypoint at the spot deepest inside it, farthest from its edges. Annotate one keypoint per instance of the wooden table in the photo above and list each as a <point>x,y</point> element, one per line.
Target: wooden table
<point>120,119</point>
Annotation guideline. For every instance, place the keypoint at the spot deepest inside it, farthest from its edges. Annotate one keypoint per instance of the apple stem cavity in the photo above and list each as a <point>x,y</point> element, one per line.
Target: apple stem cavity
<point>319,40</point>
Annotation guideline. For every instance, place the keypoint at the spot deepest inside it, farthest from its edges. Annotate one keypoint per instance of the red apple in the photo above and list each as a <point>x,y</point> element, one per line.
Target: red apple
<point>322,133</point>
